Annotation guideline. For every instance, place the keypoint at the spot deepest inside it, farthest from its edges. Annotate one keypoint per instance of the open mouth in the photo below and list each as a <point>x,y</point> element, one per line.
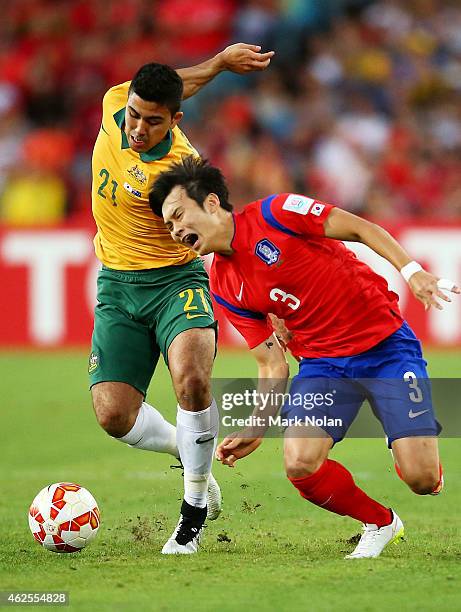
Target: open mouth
<point>190,240</point>
<point>137,141</point>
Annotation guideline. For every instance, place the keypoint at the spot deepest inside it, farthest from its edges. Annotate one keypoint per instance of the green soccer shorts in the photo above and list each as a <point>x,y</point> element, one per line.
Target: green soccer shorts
<point>138,315</point>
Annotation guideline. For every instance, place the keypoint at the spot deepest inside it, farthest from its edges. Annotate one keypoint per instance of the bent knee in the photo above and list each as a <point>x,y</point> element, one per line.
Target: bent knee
<point>422,483</point>
<point>114,415</point>
<point>193,390</point>
<point>113,423</point>
<point>300,467</point>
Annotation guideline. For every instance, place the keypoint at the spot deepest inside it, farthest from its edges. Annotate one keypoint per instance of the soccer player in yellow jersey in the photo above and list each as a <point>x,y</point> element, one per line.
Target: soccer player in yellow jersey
<point>153,293</point>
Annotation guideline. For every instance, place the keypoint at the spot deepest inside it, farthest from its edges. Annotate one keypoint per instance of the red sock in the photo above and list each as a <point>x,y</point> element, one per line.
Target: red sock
<point>398,470</point>
<point>333,488</point>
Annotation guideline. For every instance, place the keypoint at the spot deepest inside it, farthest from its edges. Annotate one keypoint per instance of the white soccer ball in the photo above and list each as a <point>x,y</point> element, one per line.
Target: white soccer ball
<point>64,517</point>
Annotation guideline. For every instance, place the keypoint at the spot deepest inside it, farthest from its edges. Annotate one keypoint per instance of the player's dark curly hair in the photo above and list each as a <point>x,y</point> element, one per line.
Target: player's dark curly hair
<point>198,177</point>
<point>158,83</point>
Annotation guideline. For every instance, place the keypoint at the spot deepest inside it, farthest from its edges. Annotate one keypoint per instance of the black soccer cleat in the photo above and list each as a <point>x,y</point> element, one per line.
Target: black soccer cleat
<point>185,539</point>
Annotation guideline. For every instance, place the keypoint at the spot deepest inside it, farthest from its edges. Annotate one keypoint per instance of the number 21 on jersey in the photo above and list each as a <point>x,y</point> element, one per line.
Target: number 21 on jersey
<point>104,174</point>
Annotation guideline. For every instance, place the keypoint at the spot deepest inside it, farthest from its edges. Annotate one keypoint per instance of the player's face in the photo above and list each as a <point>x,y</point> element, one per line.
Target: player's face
<point>189,223</point>
<point>147,123</point>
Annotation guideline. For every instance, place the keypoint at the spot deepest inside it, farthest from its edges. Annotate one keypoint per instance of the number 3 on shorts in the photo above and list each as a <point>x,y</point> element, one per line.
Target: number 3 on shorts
<point>188,307</point>
<point>416,396</point>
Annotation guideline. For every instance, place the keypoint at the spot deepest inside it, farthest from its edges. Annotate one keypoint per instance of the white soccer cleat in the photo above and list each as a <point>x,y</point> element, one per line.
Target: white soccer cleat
<point>185,539</point>
<point>375,538</point>
<point>214,502</point>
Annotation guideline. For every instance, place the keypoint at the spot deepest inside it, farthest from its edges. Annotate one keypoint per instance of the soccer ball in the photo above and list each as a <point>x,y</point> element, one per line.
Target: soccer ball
<point>64,517</point>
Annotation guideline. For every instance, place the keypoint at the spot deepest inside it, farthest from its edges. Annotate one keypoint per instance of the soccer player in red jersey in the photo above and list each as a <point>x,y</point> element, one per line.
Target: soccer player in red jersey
<point>283,255</point>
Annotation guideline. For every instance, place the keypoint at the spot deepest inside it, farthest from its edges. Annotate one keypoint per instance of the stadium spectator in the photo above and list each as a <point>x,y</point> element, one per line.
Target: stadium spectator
<point>34,196</point>
<point>361,105</point>
<point>12,130</point>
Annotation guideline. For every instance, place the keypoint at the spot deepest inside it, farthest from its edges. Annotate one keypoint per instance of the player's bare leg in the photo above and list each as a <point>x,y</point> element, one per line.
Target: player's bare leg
<point>418,464</point>
<point>304,455</point>
<point>116,406</point>
<point>122,413</point>
<point>330,485</point>
<point>190,358</point>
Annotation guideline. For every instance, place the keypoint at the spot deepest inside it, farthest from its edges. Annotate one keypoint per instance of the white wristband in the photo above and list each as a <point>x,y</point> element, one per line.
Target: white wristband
<point>410,269</point>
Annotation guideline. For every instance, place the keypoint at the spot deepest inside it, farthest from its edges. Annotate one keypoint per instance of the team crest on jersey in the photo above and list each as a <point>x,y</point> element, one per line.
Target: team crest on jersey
<point>138,174</point>
<point>267,251</point>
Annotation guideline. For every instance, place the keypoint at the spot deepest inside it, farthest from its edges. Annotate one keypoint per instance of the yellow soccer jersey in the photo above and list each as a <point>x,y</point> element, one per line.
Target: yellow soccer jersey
<point>130,236</point>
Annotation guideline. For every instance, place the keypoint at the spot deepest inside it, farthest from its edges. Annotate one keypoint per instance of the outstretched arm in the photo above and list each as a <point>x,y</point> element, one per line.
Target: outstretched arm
<point>426,287</point>
<point>240,58</point>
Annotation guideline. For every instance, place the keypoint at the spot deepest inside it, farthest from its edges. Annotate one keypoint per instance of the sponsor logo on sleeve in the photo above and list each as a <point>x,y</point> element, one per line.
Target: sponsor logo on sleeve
<point>267,252</point>
<point>298,204</point>
<point>132,190</point>
<point>317,209</point>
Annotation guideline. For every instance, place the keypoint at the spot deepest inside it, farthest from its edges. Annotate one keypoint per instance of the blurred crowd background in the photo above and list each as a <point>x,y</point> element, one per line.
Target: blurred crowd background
<point>361,105</point>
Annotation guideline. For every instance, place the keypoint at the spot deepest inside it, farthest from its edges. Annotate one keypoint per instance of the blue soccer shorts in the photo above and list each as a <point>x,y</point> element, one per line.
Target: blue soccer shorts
<point>392,376</point>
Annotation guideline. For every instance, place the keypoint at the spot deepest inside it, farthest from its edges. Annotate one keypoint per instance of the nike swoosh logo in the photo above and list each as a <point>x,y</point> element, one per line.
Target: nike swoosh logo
<point>194,316</point>
<point>325,502</point>
<point>413,415</point>
<point>203,440</point>
<point>239,296</point>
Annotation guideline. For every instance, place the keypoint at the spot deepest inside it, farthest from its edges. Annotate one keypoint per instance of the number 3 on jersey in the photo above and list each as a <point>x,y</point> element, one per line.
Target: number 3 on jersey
<point>104,174</point>
<point>189,307</point>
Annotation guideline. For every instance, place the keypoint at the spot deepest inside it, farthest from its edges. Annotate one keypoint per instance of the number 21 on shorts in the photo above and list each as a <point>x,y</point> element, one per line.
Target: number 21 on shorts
<point>189,295</point>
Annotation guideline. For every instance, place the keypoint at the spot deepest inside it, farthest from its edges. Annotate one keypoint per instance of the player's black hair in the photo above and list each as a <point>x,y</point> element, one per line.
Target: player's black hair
<point>198,177</point>
<point>158,83</point>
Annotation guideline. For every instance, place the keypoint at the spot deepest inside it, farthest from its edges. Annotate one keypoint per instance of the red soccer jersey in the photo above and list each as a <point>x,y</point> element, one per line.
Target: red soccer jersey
<point>334,304</point>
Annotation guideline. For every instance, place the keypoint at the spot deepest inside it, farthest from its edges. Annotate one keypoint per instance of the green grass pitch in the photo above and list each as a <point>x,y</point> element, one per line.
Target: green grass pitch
<point>270,550</point>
